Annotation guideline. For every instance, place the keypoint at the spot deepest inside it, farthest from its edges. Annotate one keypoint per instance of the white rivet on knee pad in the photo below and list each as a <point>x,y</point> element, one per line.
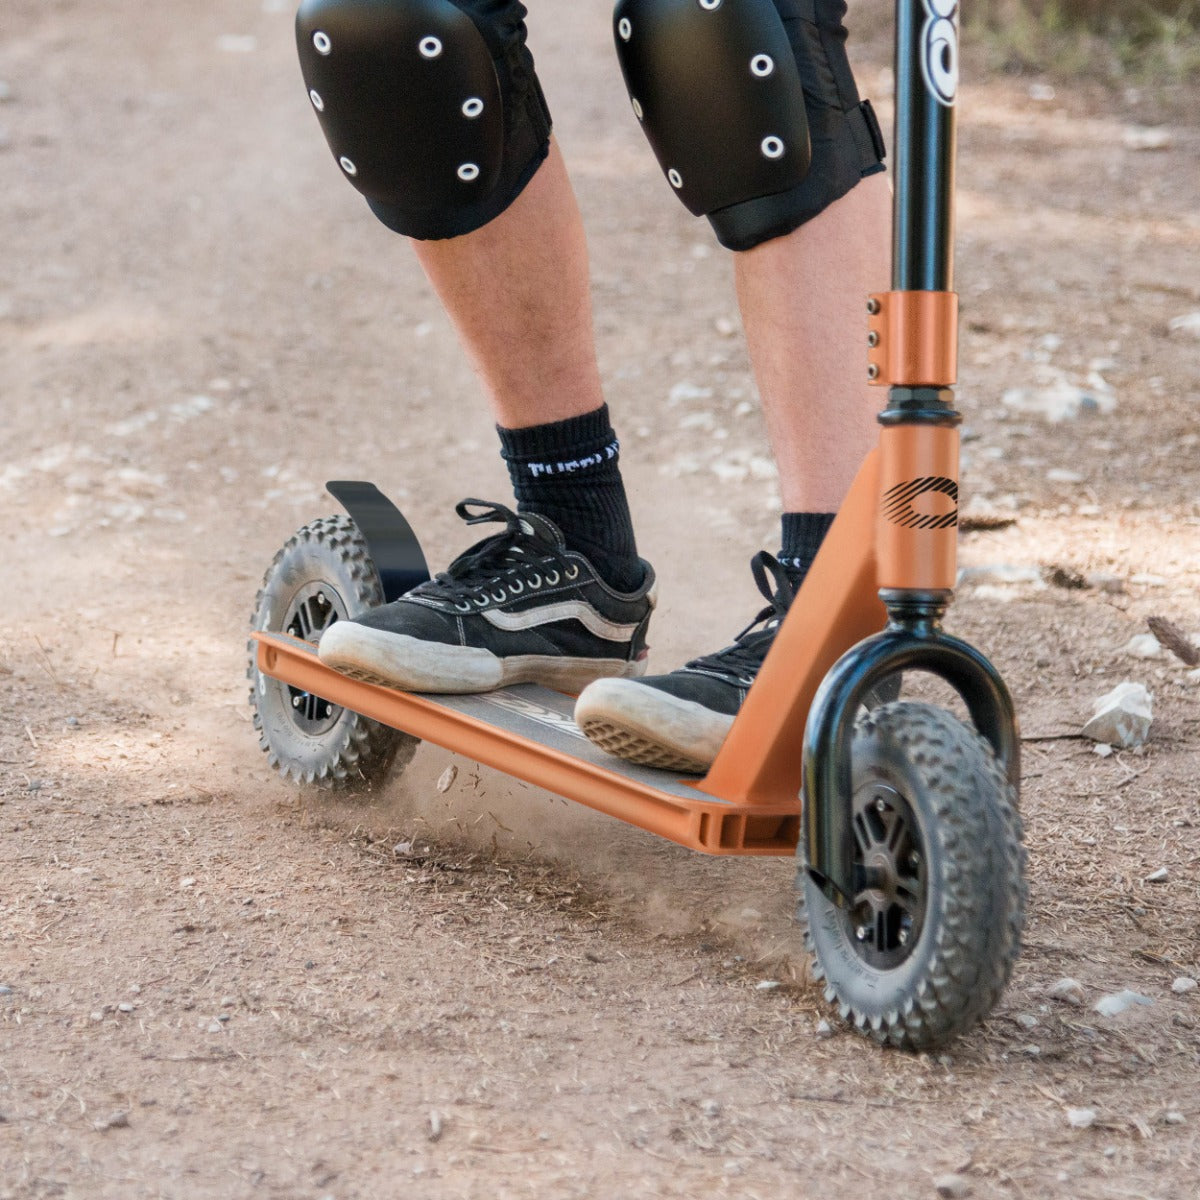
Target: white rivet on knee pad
<point>347,166</point>
<point>468,172</point>
<point>430,47</point>
<point>772,147</point>
<point>625,29</point>
<point>472,108</point>
<point>762,65</point>
<point>676,180</point>
<point>317,102</point>
<point>321,42</point>
<point>710,5</point>
<point>637,108</point>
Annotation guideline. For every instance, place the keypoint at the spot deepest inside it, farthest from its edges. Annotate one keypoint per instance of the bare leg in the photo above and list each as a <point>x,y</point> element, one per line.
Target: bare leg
<point>517,291</point>
<point>803,301</point>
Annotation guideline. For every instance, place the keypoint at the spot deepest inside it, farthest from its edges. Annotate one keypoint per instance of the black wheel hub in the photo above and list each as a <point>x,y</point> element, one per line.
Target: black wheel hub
<point>888,911</point>
<point>313,609</point>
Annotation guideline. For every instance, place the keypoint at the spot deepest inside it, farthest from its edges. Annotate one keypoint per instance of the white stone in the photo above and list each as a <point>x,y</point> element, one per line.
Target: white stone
<point>1102,750</point>
<point>446,778</point>
<point>1122,717</point>
<point>1174,1117</point>
<point>954,1187</point>
<point>1159,876</point>
<point>1143,645</point>
<point>1118,1002</point>
<point>1188,323</point>
<point>1081,1118</point>
<point>1142,137</point>
<point>1060,401</point>
<point>1183,985</point>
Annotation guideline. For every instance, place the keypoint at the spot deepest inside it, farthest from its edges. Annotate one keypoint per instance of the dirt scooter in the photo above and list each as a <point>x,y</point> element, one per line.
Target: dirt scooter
<point>903,816</point>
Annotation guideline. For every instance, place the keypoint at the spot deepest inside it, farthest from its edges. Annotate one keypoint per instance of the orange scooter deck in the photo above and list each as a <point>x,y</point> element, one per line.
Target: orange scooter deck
<point>528,732</point>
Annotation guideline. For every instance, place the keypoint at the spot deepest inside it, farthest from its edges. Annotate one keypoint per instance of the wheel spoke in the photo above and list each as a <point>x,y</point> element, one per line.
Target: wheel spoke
<point>895,833</point>
<point>908,895</point>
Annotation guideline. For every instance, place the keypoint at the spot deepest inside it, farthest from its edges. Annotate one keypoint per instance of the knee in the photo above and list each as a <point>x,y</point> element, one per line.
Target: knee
<point>432,108</point>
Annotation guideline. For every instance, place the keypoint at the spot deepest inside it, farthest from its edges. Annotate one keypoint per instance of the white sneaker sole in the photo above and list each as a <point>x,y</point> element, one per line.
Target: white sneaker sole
<point>650,727</point>
<point>411,665</point>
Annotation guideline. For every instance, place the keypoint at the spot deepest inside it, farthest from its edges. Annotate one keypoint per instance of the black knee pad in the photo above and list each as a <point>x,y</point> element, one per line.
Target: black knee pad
<point>750,106</point>
<point>431,107</point>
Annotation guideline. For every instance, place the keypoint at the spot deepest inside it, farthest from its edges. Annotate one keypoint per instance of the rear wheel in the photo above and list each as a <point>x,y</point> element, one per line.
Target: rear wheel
<point>322,575</point>
<point>929,940</point>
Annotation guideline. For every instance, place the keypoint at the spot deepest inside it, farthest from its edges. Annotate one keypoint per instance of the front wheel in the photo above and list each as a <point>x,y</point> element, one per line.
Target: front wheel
<point>322,575</point>
<point>929,940</point>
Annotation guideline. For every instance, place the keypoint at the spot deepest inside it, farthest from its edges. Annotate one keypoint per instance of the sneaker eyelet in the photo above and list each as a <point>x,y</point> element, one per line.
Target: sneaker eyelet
<point>572,572</point>
<point>481,601</point>
<point>500,596</point>
<point>516,588</point>
<point>465,606</point>
<point>535,583</point>
<point>550,582</point>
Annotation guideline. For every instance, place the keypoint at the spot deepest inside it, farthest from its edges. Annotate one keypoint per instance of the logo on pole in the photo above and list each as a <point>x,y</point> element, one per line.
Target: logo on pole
<point>899,503</point>
<point>939,50</point>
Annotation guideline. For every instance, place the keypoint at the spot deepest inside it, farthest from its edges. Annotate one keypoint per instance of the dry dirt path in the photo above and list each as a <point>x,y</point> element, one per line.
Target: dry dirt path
<point>211,985</point>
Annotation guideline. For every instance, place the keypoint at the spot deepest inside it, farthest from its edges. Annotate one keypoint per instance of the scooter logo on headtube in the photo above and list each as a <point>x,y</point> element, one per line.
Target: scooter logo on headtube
<point>939,50</point>
<point>900,503</point>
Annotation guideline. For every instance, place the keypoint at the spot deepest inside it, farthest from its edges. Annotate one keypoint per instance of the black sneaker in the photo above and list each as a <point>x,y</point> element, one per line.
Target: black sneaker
<point>678,721</point>
<point>519,607</point>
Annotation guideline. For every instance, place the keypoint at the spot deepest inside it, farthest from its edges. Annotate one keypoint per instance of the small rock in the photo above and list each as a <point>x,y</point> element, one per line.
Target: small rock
<point>1174,1117</point>
<point>1081,1118</point>
<point>117,1120</point>
<point>125,1007</point>
<point>1142,137</point>
<point>1105,581</point>
<point>1159,876</point>
<point>1068,990</point>
<point>711,1108</point>
<point>1042,93</point>
<point>1027,1020</point>
<point>435,1125</point>
<point>824,1029</point>
<point>215,1027</point>
<point>1102,750</point>
<point>1061,401</point>
<point>1063,475</point>
<point>1183,985</point>
<point>5,990</point>
<point>1122,717</point>
<point>1143,645</point>
<point>187,882</point>
<point>1118,1002</point>
<point>766,985</point>
<point>228,1001</point>
<point>1000,573</point>
<point>446,778</point>
<point>98,1015</point>
<point>1188,324</point>
<point>953,1186</point>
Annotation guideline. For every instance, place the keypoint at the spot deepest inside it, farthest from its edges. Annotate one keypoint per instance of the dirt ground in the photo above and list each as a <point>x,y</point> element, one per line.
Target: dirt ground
<point>213,984</point>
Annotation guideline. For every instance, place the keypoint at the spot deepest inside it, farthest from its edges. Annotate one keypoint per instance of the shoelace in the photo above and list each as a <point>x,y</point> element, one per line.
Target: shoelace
<point>745,656</point>
<point>505,565</point>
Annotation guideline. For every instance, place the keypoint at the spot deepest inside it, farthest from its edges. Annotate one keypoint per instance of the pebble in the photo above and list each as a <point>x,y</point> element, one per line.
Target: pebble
<point>1118,1002</point>
<point>214,1027</point>
<point>446,778</point>
<point>1062,475</point>
<point>228,1001</point>
<point>5,990</point>
<point>1174,1117</point>
<point>125,1007</point>
<point>1159,876</point>
<point>1121,717</point>
<point>187,882</point>
<point>1061,401</point>
<point>435,1125</point>
<point>953,1186</point>
<point>1181,986</point>
<point>1081,1118</point>
<point>1000,573</point>
<point>766,985</point>
<point>824,1029</point>
<point>1144,137</point>
<point>1189,323</point>
<point>1143,645</point>
<point>98,1015</point>
<point>1027,1020</point>
<point>1070,990</point>
<point>1102,750</point>
<point>711,1108</point>
<point>117,1120</point>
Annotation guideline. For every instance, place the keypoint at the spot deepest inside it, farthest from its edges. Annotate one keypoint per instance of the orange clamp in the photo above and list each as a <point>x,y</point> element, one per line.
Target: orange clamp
<point>912,339</point>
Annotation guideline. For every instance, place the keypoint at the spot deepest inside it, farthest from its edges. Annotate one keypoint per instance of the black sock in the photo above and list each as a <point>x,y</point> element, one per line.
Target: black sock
<point>803,534</point>
<point>568,472</point>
